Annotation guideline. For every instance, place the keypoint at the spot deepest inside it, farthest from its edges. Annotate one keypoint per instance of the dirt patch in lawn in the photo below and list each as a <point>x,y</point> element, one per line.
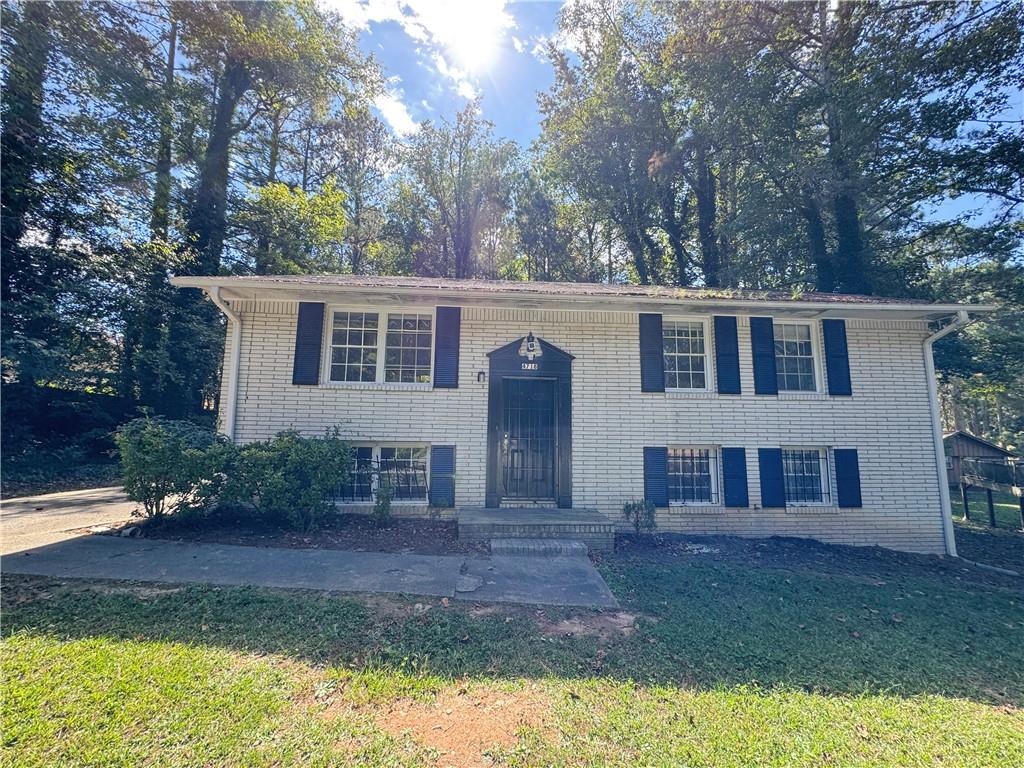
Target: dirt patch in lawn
<point>464,726</point>
<point>351,532</point>
<point>604,626</point>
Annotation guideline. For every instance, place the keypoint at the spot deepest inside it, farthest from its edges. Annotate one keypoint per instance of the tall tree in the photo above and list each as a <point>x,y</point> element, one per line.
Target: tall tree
<point>465,179</point>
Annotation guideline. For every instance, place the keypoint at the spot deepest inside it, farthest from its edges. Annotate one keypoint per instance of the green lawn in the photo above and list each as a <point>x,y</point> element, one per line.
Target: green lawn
<point>1002,546</point>
<point>774,654</point>
<point>1006,506</point>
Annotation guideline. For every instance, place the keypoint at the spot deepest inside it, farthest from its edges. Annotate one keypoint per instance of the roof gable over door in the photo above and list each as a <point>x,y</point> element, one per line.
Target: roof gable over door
<point>542,359</point>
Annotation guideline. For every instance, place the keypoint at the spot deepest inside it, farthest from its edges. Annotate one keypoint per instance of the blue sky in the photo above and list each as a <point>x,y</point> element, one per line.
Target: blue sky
<point>438,54</point>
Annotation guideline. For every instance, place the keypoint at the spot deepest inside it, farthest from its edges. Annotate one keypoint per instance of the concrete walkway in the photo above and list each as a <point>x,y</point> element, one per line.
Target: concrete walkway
<point>33,521</point>
<point>570,581</point>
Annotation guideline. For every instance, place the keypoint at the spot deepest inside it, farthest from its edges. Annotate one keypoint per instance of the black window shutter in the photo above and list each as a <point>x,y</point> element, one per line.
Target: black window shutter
<point>446,355</point>
<point>837,357</point>
<point>727,356</point>
<point>656,476</point>
<point>847,477</point>
<point>442,475</point>
<point>734,475</point>
<point>773,484</point>
<point>652,354</point>
<point>762,345</point>
<point>309,333</point>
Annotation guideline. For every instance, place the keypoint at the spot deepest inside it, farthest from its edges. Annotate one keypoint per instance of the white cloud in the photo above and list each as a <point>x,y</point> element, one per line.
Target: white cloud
<point>518,44</point>
<point>395,113</point>
<point>467,90</point>
<point>463,36</point>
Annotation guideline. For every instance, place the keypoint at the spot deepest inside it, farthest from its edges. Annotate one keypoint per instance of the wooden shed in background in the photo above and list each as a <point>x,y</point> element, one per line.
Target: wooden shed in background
<point>960,445</point>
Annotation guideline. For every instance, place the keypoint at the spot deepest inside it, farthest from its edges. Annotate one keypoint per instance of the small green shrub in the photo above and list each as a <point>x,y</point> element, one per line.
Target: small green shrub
<point>382,503</point>
<point>171,466</point>
<point>640,513</point>
<point>290,479</point>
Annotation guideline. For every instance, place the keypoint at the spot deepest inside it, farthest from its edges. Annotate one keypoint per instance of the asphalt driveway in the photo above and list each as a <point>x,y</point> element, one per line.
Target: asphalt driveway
<point>34,521</point>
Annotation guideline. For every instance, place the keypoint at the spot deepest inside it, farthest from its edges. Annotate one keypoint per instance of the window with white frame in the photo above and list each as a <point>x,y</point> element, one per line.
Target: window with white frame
<point>692,476</point>
<point>685,354</point>
<point>404,468</point>
<point>794,358</point>
<point>805,472</point>
<point>393,347</point>
<point>354,346</point>
<point>407,352</point>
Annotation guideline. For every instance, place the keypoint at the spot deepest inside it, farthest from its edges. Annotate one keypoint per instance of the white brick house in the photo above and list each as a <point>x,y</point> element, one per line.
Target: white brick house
<point>749,413</point>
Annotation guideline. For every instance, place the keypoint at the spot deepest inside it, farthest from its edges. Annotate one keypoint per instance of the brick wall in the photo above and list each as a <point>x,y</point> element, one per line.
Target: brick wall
<point>887,419</point>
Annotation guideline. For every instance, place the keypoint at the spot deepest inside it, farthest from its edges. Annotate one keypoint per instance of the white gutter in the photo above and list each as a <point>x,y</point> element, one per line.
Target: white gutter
<point>940,453</point>
<point>235,322</point>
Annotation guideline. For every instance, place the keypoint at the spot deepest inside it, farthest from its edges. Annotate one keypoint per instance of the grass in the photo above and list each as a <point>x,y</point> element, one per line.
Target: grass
<point>1006,507</point>
<point>1002,546</point>
<point>773,654</point>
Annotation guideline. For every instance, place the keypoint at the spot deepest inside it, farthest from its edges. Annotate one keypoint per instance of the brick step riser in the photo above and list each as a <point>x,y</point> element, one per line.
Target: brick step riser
<point>597,537</point>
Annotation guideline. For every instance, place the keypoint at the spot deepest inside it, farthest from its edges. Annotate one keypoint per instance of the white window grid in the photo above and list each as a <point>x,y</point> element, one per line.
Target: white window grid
<point>369,346</point>
<point>693,475</point>
<point>795,359</point>
<point>805,474</point>
<point>355,341</point>
<point>686,352</point>
<point>407,347</point>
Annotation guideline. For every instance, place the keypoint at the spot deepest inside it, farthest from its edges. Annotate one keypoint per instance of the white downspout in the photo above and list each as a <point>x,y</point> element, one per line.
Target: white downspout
<point>940,452</point>
<point>235,321</point>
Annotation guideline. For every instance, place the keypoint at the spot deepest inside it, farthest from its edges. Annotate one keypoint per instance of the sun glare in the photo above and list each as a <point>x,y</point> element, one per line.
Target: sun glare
<point>474,32</point>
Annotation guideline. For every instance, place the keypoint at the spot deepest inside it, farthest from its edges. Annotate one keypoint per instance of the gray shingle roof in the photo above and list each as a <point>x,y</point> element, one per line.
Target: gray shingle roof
<point>595,290</point>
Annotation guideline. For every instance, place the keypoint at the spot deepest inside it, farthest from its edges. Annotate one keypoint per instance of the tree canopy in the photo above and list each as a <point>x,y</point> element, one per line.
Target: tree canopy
<point>852,147</point>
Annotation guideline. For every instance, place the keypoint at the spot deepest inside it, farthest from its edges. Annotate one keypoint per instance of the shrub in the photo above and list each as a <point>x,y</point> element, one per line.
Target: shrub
<point>290,479</point>
<point>382,504</point>
<point>171,466</point>
<point>640,512</point>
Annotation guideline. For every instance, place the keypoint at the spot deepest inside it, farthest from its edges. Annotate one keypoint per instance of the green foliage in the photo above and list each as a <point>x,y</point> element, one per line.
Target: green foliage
<point>295,232</point>
<point>382,501</point>
<point>171,466</point>
<point>640,514</point>
<point>461,180</point>
<point>290,479</point>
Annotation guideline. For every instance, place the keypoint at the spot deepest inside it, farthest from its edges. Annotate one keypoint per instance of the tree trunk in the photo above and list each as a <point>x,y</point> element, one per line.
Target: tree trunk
<point>160,217</point>
<point>635,243</point>
<point>22,132</point>
<point>207,222</point>
<point>674,224</point>
<point>706,215</point>
<point>263,265</point>
<point>144,366</point>
<point>824,275</point>
<point>851,273</point>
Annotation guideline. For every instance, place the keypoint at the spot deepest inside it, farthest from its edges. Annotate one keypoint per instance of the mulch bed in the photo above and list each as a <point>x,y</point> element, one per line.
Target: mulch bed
<point>346,531</point>
<point>808,555</point>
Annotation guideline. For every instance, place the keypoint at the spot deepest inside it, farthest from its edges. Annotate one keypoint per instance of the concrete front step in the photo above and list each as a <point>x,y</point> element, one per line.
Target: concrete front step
<point>539,547</point>
<point>584,525</point>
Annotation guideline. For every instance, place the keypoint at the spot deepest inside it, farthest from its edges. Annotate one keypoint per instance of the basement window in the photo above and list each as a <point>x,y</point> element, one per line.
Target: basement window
<point>692,476</point>
<point>805,472</point>
<point>406,468</point>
